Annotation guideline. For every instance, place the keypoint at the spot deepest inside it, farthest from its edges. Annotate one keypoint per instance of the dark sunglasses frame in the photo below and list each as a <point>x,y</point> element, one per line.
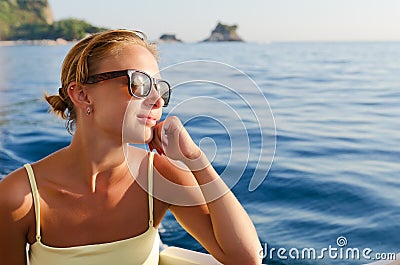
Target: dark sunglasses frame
<point>114,74</point>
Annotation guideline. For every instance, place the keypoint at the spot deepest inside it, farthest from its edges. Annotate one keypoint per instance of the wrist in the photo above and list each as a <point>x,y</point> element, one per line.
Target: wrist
<point>193,154</point>
<point>197,161</point>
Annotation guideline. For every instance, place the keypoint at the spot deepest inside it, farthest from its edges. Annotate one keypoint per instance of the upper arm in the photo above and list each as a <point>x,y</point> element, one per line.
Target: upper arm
<point>15,205</point>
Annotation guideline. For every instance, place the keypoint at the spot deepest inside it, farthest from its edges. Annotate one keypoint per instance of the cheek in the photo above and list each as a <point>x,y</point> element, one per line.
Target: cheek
<point>111,116</point>
<point>109,107</point>
<point>133,130</point>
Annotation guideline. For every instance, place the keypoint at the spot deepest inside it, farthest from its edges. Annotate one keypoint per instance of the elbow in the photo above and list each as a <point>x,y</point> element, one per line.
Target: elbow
<point>253,260</point>
<point>245,258</point>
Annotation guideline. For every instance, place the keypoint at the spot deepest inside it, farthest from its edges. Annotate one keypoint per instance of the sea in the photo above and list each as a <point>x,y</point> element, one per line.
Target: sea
<point>306,135</point>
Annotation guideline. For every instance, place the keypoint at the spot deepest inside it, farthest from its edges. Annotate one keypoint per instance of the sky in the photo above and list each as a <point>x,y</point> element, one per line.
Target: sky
<point>257,20</point>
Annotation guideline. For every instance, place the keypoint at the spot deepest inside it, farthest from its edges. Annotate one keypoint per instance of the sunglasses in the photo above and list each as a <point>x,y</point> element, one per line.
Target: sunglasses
<point>140,83</point>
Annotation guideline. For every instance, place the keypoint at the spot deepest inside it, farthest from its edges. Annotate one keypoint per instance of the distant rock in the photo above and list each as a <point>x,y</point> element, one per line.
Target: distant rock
<point>15,13</point>
<point>224,33</point>
<point>22,20</point>
<point>168,38</point>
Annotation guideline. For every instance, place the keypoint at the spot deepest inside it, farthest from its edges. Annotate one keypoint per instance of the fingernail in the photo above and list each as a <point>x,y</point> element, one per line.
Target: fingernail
<point>160,151</point>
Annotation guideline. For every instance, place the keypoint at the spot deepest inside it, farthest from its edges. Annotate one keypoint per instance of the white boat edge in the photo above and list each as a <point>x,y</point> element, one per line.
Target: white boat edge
<point>180,256</point>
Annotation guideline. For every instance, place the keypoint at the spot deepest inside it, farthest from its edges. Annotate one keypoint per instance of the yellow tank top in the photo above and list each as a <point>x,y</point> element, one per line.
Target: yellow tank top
<point>141,249</point>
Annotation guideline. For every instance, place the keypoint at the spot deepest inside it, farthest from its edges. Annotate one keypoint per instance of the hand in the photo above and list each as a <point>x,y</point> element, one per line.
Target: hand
<point>171,138</point>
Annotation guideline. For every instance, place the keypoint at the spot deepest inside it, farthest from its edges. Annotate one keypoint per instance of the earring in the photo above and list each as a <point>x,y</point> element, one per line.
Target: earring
<point>88,111</point>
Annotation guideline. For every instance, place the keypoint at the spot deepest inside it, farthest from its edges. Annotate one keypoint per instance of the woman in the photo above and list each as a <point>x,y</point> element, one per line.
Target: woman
<point>88,202</point>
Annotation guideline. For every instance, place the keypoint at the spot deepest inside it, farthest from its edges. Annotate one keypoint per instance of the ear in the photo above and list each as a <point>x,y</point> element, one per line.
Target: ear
<point>78,95</point>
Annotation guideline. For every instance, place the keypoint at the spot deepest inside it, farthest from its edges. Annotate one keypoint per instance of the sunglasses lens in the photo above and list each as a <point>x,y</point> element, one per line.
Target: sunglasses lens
<point>164,91</point>
<point>140,84</point>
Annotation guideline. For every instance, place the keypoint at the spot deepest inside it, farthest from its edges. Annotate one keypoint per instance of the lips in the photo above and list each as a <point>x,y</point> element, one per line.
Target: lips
<point>148,119</point>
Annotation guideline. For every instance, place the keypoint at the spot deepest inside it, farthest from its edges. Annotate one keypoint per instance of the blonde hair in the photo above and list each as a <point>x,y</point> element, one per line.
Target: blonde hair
<point>81,60</point>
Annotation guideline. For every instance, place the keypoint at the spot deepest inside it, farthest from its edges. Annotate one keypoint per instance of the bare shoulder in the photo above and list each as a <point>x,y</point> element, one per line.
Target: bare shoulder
<point>174,171</point>
<point>15,193</point>
<point>175,184</point>
<point>16,217</point>
<point>164,167</point>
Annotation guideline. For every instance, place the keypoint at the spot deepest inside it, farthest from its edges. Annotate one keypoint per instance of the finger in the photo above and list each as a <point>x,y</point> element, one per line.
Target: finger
<point>160,151</point>
<point>151,147</point>
<point>171,125</point>
<point>164,142</point>
<point>158,128</point>
<point>156,141</point>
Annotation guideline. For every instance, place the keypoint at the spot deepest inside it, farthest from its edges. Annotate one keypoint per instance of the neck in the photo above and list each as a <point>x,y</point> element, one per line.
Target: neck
<point>99,162</point>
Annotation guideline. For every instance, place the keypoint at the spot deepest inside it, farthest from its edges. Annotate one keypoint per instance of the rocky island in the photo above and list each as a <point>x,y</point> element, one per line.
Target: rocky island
<point>32,22</point>
<point>168,38</point>
<point>27,20</point>
<point>224,33</point>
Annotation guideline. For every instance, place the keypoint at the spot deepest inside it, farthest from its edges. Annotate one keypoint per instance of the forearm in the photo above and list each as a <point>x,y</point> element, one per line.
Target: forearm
<point>233,229</point>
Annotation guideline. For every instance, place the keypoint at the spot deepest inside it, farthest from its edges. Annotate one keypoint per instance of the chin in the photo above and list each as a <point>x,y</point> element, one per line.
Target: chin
<point>137,133</point>
<point>148,136</point>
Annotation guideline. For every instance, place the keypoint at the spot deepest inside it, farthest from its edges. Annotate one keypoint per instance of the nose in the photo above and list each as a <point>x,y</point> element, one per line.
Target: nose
<point>154,97</point>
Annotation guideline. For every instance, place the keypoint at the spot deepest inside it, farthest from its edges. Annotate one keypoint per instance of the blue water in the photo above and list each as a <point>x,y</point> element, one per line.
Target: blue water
<point>336,107</point>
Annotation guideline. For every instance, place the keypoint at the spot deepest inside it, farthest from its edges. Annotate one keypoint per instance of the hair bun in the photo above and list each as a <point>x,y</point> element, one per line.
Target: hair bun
<point>58,105</point>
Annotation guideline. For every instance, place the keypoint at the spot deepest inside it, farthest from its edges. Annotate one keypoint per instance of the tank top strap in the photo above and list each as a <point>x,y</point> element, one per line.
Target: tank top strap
<point>35,195</point>
<point>150,186</point>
